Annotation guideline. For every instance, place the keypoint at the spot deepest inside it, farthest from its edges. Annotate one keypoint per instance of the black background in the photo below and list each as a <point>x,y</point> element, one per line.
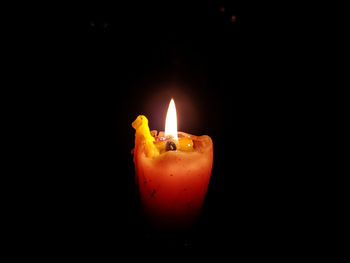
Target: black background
<point>115,62</point>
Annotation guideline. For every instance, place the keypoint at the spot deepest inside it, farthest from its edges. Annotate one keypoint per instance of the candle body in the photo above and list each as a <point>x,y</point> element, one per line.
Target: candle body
<point>173,185</point>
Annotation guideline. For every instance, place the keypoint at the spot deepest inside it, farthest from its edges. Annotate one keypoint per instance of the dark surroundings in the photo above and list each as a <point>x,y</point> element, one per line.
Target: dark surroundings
<point>115,62</point>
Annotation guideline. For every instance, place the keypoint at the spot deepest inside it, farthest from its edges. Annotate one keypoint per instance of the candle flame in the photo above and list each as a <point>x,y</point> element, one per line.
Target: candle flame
<point>171,121</point>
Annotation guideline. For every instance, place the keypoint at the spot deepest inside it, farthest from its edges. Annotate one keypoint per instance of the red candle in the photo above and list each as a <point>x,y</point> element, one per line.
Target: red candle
<point>172,172</point>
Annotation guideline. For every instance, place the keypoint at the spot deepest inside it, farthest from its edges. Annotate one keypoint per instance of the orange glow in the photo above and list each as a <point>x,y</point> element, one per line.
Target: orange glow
<point>171,121</point>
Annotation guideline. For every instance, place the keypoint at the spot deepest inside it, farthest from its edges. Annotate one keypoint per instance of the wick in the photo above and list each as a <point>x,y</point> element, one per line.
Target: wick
<point>170,146</point>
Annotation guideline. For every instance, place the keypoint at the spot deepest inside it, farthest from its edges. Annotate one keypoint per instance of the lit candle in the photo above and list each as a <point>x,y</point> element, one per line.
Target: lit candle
<point>172,172</point>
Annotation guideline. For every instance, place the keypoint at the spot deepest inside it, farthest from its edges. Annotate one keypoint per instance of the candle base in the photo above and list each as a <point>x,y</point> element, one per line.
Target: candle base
<point>170,222</point>
<point>185,239</point>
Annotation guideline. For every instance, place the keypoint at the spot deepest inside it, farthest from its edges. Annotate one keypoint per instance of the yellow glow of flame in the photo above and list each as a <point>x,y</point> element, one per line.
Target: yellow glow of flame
<point>171,121</point>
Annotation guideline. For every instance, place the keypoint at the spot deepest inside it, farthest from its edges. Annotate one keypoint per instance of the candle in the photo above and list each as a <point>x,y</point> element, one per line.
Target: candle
<point>172,172</point>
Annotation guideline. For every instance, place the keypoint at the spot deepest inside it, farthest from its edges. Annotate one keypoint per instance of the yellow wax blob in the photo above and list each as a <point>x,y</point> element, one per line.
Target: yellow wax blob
<point>142,131</point>
<point>154,148</point>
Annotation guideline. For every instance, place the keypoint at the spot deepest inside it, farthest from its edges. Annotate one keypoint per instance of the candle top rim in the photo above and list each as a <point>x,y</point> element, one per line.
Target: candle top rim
<point>154,142</point>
